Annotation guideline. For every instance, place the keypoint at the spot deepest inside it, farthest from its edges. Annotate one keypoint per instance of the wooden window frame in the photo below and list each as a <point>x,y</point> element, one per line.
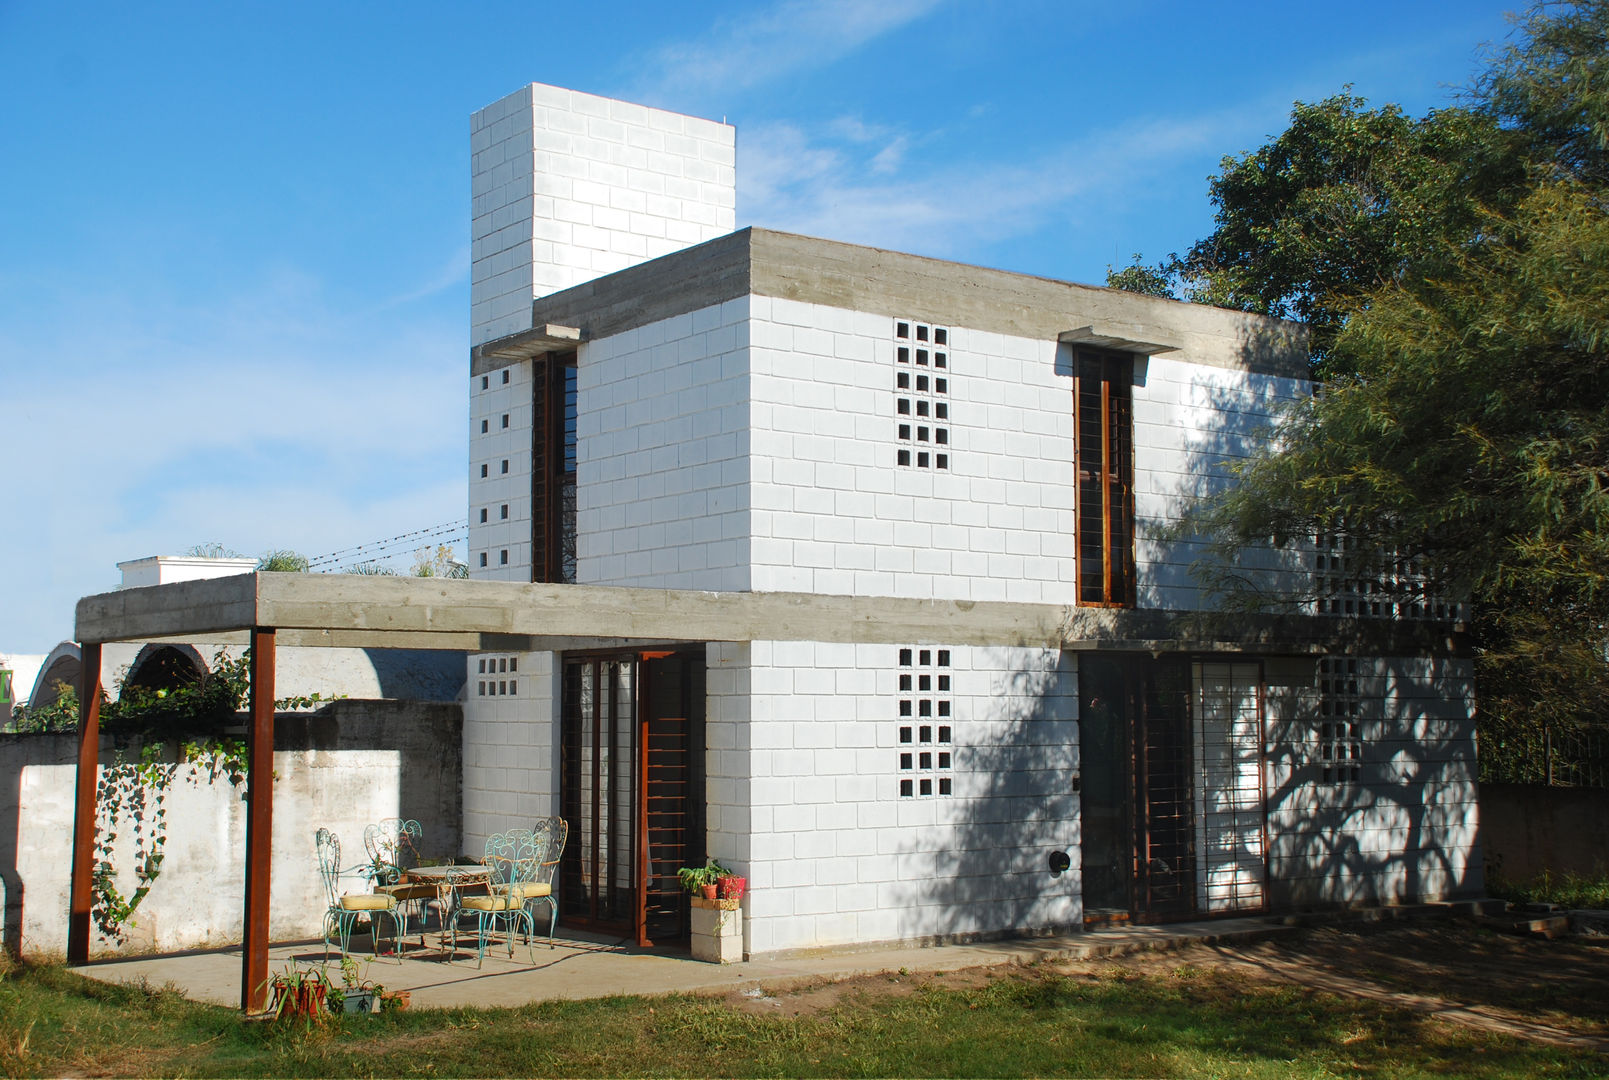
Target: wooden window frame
<point>551,467</point>
<point>1103,387</point>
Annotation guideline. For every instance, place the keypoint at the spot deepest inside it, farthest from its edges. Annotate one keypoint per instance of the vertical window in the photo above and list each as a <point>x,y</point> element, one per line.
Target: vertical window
<point>553,458</point>
<point>1103,434</point>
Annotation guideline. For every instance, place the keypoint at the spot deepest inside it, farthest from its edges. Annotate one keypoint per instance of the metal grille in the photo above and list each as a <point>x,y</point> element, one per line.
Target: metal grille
<point>1230,822</point>
<point>1165,840</point>
<point>598,792</point>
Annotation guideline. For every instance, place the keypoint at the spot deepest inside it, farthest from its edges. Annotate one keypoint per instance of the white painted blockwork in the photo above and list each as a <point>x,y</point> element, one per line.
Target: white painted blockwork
<point>1408,829</point>
<point>662,469</point>
<point>510,744</point>
<point>832,513</point>
<point>835,854</point>
<point>567,186</point>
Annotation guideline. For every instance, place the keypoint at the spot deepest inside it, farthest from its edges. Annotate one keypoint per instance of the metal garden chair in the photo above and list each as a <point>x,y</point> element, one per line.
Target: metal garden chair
<point>344,909</point>
<point>392,845</point>
<point>550,834</point>
<point>513,860</point>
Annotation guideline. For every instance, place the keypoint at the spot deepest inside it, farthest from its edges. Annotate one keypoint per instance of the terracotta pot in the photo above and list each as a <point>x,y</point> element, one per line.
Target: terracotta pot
<point>733,887</point>
<point>709,891</point>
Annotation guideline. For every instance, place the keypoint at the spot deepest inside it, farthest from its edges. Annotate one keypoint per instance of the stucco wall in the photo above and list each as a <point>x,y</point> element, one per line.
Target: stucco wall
<point>342,768</point>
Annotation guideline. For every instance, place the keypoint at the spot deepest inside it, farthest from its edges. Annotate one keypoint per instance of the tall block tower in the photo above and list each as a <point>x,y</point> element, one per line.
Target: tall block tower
<point>566,187</point>
<point>569,186</point>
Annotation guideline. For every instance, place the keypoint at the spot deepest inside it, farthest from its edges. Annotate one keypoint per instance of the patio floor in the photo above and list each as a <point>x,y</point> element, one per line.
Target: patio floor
<point>588,966</point>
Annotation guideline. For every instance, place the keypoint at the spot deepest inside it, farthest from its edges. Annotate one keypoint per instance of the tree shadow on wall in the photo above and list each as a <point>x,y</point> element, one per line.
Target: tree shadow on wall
<point>976,862</point>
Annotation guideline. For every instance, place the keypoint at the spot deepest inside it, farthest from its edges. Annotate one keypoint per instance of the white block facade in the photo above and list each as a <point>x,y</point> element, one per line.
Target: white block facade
<point>747,437</point>
<point>567,186</point>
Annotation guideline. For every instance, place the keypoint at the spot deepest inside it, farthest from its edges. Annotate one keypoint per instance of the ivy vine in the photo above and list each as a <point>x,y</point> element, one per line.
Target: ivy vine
<point>177,731</point>
<point>132,796</point>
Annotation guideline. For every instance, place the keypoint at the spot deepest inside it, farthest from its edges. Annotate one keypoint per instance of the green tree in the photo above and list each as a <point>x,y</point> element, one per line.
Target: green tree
<point>1347,200</point>
<point>1456,272</point>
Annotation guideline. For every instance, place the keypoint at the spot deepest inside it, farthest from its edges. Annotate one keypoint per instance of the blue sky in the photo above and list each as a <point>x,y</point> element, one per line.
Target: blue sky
<point>234,258</point>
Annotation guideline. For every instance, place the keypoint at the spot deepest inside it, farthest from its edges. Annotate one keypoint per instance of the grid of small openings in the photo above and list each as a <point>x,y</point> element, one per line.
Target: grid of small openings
<point>926,740</point>
<point>498,676</point>
<point>1401,591</point>
<point>1339,752</point>
<point>922,394</point>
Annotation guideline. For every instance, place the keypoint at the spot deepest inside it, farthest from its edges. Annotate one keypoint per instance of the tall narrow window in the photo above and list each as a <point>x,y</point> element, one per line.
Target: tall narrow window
<point>553,457</point>
<point>1103,431</point>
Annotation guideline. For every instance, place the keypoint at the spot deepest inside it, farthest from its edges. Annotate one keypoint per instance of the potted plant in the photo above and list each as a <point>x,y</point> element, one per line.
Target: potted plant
<point>732,887</point>
<point>702,880</point>
<point>299,994</point>
<point>356,994</point>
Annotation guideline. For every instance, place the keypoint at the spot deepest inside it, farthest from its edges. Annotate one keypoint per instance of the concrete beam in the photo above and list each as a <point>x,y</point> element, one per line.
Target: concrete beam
<point>177,609</point>
<point>357,611</point>
<point>892,283</point>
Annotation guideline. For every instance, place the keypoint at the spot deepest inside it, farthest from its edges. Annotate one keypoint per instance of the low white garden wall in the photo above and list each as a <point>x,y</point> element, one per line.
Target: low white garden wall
<point>341,769</point>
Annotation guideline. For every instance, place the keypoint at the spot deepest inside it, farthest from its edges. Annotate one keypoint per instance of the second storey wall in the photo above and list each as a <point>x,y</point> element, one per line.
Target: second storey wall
<point>834,512</point>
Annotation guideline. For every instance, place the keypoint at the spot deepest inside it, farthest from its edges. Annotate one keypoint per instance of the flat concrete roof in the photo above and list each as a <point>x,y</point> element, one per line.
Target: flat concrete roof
<point>761,262</point>
<point>359,611</point>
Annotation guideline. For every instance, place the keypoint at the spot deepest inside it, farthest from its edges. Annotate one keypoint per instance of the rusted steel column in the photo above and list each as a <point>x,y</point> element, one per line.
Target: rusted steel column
<point>259,822</point>
<point>89,752</point>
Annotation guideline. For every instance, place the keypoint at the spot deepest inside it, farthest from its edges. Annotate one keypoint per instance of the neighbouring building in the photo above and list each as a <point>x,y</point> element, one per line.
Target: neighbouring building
<point>656,400</point>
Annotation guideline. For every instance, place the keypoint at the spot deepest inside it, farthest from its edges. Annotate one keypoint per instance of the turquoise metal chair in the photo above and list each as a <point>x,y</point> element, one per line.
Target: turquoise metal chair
<point>550,835</point>
<point>513,861</point>
<point>343,910</point>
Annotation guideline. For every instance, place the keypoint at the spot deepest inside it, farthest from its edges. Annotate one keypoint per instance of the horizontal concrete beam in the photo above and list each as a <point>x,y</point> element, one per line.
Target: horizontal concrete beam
<point>358,611</point>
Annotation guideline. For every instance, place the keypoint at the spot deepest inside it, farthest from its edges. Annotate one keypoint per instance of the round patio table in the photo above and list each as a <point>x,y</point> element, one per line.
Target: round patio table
<point>450,881</point>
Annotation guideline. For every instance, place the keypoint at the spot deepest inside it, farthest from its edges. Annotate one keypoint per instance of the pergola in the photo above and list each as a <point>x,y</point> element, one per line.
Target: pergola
<point>310,610</point>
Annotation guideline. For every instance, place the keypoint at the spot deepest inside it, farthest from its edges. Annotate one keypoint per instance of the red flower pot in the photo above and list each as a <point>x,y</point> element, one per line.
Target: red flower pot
<point>733,887</point>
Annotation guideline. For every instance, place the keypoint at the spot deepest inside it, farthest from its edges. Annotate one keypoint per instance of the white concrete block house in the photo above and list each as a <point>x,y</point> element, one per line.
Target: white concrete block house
<point>656,400</point>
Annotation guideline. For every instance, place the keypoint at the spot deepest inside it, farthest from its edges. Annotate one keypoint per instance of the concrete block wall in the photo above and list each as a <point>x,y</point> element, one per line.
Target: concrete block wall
<point>1407,828</point>
<point>838,855</point>
<point>566,186</point>
<point>500,474</point>
<point>511,724</point>
<point>1192,422</point>
<point>834,513</point>
<point>727,743</point>
<point>662,470</point>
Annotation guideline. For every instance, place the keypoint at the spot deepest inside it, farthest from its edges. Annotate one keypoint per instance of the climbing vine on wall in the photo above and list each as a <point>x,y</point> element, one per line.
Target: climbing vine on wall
<point>178,732</point>
<point>131,800</point>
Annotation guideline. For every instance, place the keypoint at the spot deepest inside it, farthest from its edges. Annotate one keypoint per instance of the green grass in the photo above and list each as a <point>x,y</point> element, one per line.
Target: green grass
<point>1570,889</point>
<point>1192,1023</point>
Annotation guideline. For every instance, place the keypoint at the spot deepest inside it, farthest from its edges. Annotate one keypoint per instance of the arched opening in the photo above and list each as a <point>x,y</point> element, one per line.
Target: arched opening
<point>165,667</point>
<point>60,669</point>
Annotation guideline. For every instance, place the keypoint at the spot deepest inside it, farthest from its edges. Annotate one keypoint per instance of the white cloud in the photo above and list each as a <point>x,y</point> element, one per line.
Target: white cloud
<point>855,181</point>
<point>769,44</point>
<point>263,419</point>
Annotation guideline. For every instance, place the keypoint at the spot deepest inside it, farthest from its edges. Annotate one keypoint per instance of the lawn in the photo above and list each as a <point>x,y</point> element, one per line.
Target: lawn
<point>1183,1021</point>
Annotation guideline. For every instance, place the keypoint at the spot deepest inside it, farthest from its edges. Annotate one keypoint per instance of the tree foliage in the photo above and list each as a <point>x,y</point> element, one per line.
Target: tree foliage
<point>1455,269</point>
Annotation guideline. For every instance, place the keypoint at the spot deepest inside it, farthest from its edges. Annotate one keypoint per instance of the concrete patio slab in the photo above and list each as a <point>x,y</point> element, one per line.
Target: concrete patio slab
<point>590,966</point>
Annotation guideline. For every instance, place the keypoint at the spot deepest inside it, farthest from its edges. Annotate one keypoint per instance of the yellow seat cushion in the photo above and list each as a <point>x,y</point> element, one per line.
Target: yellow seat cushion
<point>530,890</point>
<point>368,902</point>
<point>500,902</point>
